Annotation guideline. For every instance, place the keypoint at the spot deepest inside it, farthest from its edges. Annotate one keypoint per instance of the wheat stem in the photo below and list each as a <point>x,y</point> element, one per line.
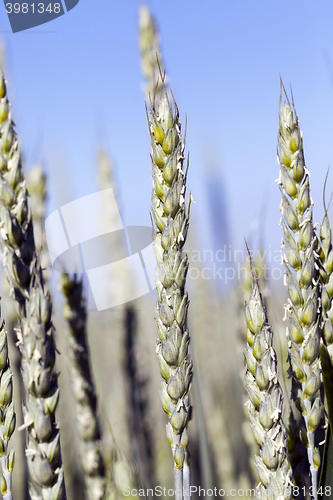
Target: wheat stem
<point>186,468</point>
<point>178,481</point>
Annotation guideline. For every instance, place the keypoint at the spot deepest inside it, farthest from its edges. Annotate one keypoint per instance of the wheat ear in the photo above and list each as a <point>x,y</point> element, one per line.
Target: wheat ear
<point>266,400</point>
<point>326,275</point>
<point>7,418</point>
<point>34,309</point>
<point>83,387</point>
<point>302,310</point>
<point>243,291</point>
<point>151,59</point>
<point>37,188</point>
<point>171,223</point>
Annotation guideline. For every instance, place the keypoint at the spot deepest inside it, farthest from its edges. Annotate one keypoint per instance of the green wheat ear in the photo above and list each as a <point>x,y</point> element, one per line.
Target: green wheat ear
<point>34,309</point>
<point>37,187</point>
<point>151,59</point>
<point>243,291</point>
<point>171,223</point>
<point>302,278</point>
<point>325,252</point>
<point>266,400</point>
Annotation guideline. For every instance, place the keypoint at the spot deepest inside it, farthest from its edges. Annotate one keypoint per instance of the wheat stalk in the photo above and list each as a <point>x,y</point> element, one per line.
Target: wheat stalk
<point>171,224</point>
<point>78,355</point>
<point>83,387</point>
<point>34,309</point>
<point>266,401</point>
<point>302,313</point>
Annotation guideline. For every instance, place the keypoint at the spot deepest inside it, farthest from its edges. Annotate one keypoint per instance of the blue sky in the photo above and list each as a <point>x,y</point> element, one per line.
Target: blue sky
<point>76,83</point>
